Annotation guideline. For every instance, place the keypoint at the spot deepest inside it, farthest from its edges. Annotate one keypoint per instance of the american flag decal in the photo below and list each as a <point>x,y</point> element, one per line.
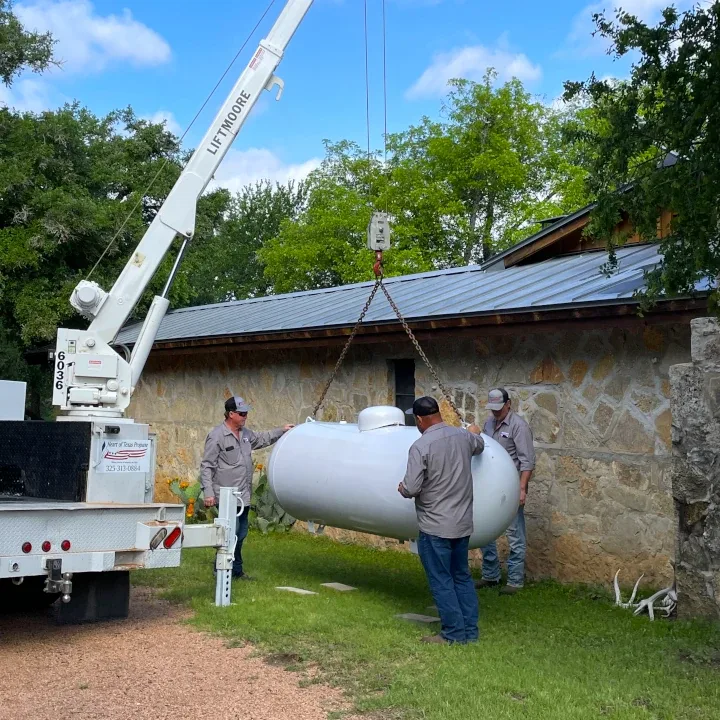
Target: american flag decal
<point>125,454</point>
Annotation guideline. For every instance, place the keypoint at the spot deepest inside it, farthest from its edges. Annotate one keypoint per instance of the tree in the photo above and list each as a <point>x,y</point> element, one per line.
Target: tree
<point>326,245</point>
<point>494,164</point>
<point>68,181</point>
<point>227,266</point>
<point>20,49</point>
<point>668,109</point>
<point>457,190</point>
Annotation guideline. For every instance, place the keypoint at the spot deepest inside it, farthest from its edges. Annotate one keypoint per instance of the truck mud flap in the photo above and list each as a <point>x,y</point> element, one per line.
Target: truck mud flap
<point>96,597</point>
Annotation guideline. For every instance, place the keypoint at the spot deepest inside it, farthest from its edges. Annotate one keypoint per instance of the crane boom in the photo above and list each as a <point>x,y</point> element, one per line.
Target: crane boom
<point>91,379</point>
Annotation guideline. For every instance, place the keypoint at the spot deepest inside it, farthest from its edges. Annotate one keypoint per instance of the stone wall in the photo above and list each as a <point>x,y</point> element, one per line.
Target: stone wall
<point>696,472</point>
<point>598,403</point>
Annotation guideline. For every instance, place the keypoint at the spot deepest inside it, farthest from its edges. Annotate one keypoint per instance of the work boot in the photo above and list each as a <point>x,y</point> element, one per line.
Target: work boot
<point>435,639</point>
<point>242,576</point>
<point>510,590</point>
<point>483,583</point>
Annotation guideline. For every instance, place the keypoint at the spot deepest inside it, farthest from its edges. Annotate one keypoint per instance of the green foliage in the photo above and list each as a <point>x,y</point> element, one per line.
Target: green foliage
<point>19,48</point>
<point>550,653</point>
<point>227,266</point>
<point>458,190</point>
<point>494,166</point>
<point>189,495</point>
<point>670,103</point>
<point>67,182</point>
<point>268,516</point>
<point>325,246</point>
<point>63,199</point>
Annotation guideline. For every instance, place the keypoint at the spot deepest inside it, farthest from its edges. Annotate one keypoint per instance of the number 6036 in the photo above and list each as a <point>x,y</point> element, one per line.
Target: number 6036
<point>60,371</point>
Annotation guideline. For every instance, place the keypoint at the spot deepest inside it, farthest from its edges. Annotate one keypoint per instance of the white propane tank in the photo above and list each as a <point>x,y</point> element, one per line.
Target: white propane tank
<point>346,475</point>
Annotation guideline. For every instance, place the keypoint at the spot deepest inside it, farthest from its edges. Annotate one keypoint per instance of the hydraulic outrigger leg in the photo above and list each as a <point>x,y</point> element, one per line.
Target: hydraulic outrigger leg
<point>222,536</point>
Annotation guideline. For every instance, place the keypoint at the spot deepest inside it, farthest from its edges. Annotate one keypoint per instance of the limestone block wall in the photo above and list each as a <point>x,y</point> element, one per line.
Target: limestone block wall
<point>696,472</point>
<point>598,403</point>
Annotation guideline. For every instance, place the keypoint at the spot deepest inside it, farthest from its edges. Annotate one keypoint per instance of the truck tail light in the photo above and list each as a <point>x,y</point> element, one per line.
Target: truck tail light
<point>172,537</point>
<point>65,545</point>
<point>46,546</point>
<point>158,538</point>
<point>27,547</point>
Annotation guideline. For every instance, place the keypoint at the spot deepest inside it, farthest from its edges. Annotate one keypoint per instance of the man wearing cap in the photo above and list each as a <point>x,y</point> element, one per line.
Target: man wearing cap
<point>439,477</point>
<point>515,435</point>
<point>227,462</point>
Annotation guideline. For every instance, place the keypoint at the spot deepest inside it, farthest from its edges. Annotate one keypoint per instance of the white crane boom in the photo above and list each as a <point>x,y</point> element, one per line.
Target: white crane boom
<point>91,379</point>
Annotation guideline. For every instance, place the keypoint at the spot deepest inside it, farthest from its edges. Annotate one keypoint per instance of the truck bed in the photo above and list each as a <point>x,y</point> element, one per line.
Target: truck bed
<point>100,536</point>
<point>33,504</point>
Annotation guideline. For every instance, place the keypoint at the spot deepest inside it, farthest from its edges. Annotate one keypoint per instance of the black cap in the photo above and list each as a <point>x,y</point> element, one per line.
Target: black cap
<point>424,406</point>
<point>236,404</point>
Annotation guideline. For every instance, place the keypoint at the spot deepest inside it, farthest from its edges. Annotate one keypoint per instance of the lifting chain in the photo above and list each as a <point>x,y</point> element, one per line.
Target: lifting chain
<point>378,283</point>
<point>377,268</point>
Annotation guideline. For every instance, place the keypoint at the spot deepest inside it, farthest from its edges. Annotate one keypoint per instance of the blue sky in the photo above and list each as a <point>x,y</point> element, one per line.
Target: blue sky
<point>162,57</point>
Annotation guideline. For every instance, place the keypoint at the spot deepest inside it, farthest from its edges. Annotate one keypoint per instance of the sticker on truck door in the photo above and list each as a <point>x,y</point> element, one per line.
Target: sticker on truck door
<point>124,456</point>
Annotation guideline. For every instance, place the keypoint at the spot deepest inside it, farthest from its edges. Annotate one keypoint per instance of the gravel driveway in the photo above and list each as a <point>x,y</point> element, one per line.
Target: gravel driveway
<point>148,666</point>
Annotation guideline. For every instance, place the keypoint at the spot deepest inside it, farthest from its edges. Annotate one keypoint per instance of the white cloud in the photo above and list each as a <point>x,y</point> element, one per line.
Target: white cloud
<point>168,118</point>
<point>471,63</point>
<point>27,95</point>
<point>244,167</point>
<point>649,11</point>
<point>89,42</point>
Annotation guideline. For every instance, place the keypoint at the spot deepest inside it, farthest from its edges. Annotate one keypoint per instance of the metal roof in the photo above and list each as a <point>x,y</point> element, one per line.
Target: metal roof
<point>564,282</point>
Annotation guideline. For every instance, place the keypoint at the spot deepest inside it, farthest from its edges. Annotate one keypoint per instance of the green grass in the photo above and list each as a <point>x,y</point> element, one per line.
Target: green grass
<point>550,652</point>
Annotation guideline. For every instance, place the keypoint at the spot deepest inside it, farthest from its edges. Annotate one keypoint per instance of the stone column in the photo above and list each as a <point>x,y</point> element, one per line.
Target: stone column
<point>696,472</point>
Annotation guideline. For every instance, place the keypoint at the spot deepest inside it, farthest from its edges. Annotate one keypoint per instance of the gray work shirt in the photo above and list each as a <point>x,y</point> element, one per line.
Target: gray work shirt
<point>515,435</point>
<point>439,477</point>
<point>227,460</point>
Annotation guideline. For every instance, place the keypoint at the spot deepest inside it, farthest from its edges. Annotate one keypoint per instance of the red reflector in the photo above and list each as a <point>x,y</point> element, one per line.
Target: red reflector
<point>27,547</point>
<point>65,545</point>
<point>172,537</point>
<point>46,546</point>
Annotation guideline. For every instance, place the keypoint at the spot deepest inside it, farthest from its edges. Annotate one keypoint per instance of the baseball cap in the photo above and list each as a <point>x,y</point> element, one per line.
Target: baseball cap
<point>424,406</point>
<point>236,404</point>
<point>497,397</point>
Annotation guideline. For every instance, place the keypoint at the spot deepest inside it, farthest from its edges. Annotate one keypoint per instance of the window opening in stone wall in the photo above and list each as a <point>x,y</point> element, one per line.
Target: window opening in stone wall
<point>405,386</point>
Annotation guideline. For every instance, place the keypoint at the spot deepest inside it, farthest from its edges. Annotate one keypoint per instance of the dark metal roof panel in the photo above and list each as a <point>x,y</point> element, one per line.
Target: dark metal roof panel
<point>553,284</point>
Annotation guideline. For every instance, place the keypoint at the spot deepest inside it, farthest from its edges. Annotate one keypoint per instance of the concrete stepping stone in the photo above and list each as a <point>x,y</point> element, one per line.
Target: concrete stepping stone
<point>414,617</point>
<point>299,591</point>
<point>340,587</point>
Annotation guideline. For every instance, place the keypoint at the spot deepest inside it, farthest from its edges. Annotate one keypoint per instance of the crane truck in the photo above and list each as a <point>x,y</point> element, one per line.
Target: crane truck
<point>76,494</point>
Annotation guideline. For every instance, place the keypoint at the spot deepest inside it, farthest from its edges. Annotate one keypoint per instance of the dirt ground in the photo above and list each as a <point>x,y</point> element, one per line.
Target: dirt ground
<point>148,666</point>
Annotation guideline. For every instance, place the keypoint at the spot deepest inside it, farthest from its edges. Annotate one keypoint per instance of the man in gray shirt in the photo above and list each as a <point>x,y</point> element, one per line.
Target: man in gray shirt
<point>515,435</point>
<point>439,477</point>
<point>227,462</point>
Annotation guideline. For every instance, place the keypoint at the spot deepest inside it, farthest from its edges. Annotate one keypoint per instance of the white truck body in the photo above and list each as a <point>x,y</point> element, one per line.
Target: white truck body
<point>99,517</point>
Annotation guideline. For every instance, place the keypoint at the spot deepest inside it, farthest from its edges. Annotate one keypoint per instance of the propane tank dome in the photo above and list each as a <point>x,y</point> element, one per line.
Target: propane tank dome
<point>380,416</point>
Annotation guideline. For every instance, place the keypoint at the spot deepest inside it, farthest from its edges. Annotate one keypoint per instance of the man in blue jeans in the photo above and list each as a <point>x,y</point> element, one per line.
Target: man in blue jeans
<point>227,462</point>
<point>515,435</point>
<point>439,477</point>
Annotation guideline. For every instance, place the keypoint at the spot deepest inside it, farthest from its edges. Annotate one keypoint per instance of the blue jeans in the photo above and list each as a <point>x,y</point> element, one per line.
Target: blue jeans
<point>241,528</point>
<point>516,559</point>
<point>446,566</point>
